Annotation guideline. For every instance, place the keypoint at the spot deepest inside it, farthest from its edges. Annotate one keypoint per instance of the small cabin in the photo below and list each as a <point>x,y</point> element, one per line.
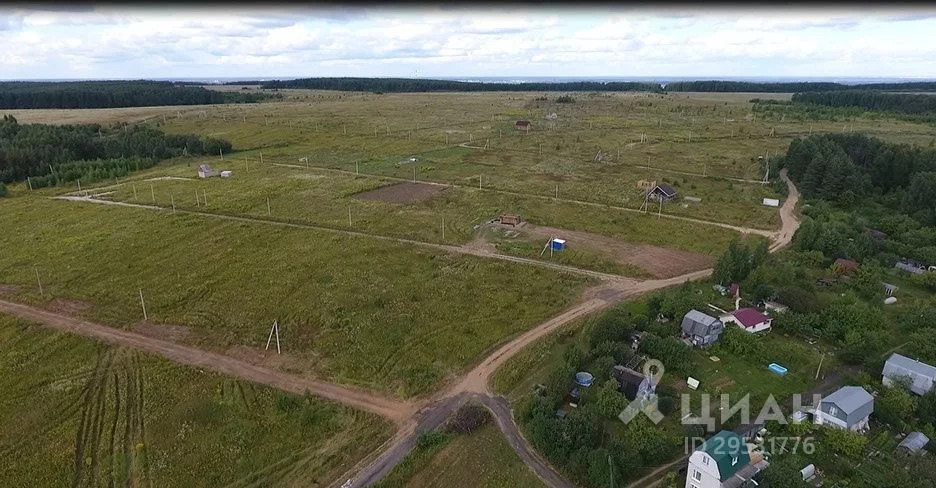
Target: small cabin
<point>662,192</point>
<point>205,171</point>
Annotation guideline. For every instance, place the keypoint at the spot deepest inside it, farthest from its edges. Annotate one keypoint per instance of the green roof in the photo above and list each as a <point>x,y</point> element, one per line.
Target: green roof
<point>729,450</point>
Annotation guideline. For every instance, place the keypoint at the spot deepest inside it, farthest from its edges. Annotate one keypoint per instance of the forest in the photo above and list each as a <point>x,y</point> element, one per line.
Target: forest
<point>910,103</point>
<point>409,85</point>
<point>846,168</point>
<point>789,87</point>
<point>107,94</point>
<point>53,154</point>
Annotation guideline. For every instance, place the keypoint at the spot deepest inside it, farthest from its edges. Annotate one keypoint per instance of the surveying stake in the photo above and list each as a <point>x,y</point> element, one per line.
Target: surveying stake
<point>274,330</point>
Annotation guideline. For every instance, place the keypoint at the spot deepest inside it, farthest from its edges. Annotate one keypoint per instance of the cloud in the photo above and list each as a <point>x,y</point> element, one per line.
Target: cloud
<point>254,42</point>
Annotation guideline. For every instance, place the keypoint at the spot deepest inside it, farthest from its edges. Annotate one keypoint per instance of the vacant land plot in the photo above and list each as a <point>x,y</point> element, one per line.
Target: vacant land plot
<point>659,262</point>
<point>402,193</point>
<point>387,316</point>
<point>84,414</point>
<point>480,459</point>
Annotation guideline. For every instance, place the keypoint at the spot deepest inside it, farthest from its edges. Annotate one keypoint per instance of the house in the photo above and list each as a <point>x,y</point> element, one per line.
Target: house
<point>845,267</point>
<point>701,329</point>
<point>633,384</point>
<point>846,408</point>
<point>724,461</point>
<point>914,442</point>
<point>205,171</point>
<point>749,319</point>
<point>910,267</point>
<point>662,191</point>
<point>523,125</point>
<point>772,306</point>
<point>921,375</point>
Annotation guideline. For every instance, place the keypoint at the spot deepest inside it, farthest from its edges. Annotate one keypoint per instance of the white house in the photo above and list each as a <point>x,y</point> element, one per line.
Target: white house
<point>749,319</point>
<point>848,408</point>
<point>921,375</point>
<point>724,461</point>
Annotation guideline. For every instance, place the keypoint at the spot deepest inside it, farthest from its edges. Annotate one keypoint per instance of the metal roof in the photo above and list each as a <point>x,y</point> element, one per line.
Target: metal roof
<point>913,365</point>
<point>749,317</point>
<point>849,398</point>
<point>914,441</point>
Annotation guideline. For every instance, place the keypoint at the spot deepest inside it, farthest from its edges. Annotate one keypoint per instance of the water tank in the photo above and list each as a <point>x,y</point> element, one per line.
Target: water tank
<point>890,300</point>
<point>584,379</point>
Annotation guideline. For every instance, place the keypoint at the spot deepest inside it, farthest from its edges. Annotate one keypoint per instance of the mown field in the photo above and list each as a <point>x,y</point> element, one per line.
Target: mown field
<point>386,316</point>
<point>88,414</point>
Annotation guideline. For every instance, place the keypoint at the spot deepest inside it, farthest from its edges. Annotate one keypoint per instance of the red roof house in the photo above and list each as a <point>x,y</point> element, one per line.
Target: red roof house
<point>749,319</point>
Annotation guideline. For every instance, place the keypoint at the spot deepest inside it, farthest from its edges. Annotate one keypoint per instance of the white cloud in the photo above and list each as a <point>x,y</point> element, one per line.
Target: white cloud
<point>141,42</point>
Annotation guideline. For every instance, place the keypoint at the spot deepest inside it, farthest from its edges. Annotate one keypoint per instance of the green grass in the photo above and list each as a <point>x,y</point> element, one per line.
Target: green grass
<point>480,459</point>
<point>387,316</point>
<point>150,422</point>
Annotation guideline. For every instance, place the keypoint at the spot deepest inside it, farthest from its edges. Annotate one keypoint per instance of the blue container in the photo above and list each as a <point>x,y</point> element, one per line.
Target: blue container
<point>558,244</point>
<point>776,368</point>
<point>584,379</point>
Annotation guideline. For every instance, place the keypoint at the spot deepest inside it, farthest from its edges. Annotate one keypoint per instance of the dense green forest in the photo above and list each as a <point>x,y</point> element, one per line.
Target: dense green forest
<point>409,85</point>
<point>55,154</point>
<point>790,87</point>
<point>105,94</point>
<point>871,100</point>
<point>846,168</point>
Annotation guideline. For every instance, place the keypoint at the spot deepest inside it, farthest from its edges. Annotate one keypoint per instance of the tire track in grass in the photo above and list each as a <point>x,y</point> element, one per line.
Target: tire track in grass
<point>113,434</point>
<point>141,422</point>
<point>89,402</point>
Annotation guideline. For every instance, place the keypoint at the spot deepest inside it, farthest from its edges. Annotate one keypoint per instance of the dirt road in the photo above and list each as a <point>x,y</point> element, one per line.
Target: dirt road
<point>463,249</point>
<point>395,410</point>
<point>413,419</point>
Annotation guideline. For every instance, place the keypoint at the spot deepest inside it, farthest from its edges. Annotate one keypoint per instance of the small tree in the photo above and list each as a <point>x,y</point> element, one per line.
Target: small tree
<point>3,190</point>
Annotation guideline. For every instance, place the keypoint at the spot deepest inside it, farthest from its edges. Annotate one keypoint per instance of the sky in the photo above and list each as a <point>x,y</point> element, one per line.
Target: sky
<point>113,42</point>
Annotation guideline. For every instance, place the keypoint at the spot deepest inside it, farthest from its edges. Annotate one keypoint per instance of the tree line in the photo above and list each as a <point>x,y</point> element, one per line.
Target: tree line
<point>910,103</point>
<point>106,94</point>
<point>846,168</point>
<point>790,87</point>
<point>54,154</point>
<point>411,85</point>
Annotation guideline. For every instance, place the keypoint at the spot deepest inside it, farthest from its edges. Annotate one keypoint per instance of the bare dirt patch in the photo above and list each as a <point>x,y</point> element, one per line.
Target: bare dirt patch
<point>167,332</point>
<point>267,358</point>
<point>9,289</point>
<point>402,192</point>
<point>660,262</point>
<point>67,306</point>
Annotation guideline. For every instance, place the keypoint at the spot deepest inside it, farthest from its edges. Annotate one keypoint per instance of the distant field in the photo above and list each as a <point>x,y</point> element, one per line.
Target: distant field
<point>481,459</point>
<point>388,316</point>
<point>79,413</point>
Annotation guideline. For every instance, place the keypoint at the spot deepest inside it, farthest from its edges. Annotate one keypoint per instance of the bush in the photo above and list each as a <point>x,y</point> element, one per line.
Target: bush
<point>468,419</point>
<point>3,190</point>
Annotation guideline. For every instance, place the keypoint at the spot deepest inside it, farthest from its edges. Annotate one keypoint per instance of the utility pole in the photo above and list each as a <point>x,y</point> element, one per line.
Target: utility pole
<point>349,217</point>
<point>143,304</point>
<point>39,281</point>
<point>820,365</point>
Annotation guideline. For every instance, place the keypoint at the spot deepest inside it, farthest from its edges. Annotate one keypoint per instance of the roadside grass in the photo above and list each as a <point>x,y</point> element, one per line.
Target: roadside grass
<point>82,413</point>
<point>381,315</point>
<point>479,459</point>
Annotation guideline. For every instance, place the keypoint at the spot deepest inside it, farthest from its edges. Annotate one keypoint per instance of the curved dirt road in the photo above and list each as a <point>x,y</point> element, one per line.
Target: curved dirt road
<point>411,418</point>
<point>477,381</point>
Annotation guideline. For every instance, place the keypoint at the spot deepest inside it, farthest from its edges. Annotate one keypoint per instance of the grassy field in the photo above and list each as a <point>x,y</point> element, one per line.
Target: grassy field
<point>480,459</point>
<point>387,316</point>
<point>87,414</point>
